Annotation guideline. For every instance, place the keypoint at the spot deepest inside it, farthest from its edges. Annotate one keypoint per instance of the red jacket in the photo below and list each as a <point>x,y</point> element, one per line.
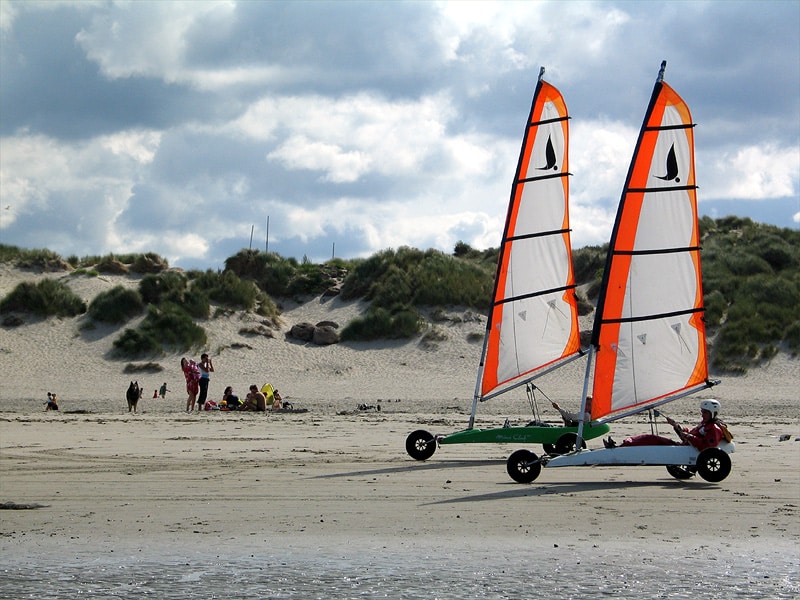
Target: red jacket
<point>705,435</point>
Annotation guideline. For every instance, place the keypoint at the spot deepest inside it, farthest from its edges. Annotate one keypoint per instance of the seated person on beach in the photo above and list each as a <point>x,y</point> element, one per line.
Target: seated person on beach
<point>255,400</point>
<point>574,419</point>
<point>277,401</point>
<point>230,399</point>
<point>52,401</point>
<point>708,434</point>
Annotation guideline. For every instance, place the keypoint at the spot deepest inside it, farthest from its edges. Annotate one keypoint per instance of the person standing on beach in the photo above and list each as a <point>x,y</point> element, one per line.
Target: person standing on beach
<point>162,391</point>
<point>206,368</point>
<point>192,374</point>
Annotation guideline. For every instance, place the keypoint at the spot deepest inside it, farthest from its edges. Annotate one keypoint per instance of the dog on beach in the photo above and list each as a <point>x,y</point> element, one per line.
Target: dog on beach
<point>133,394</point>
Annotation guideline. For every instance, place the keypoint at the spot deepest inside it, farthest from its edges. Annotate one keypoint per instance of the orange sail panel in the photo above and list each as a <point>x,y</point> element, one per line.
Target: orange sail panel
<point>533,322</point>
<point>649,334</point>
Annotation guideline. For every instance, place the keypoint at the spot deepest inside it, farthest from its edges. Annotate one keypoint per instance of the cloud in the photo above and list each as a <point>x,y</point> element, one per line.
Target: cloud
<point>754,172</point>
<point>179,127</point>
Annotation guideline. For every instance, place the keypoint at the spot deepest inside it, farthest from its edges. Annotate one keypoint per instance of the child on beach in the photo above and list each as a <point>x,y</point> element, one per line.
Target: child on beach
<point>52,401</point>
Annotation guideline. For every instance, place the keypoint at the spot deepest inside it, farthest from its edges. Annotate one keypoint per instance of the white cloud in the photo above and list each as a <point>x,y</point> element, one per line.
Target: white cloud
<point>298,152</point>
<point>150,39</point>
<point>351,136</point>
<point>753,173</point>
<point>138,145</point>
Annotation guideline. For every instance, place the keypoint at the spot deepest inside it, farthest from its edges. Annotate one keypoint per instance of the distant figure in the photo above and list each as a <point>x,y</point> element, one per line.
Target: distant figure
<point>192,374</point>
<point>277,402</point>
<point>162,391</point>
<point>52,402</point>
<point>155,394</point>
<point>206,368</point>
<point>574,419</point>
<point>132,395</point>
<point>230,400</point>
<point>255,400</point>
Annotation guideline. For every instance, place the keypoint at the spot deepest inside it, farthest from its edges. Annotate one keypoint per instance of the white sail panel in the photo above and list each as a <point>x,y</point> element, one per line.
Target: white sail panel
<point>649,334</point>
<point>533,321</point>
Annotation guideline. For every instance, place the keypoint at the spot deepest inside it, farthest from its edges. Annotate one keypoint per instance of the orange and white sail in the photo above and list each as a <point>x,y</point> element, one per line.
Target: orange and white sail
<point>533,322</point>
<point>649,340</point>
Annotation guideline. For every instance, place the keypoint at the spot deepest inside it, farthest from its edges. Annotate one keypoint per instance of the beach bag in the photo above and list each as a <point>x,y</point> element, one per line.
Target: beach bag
<point>726,435</point>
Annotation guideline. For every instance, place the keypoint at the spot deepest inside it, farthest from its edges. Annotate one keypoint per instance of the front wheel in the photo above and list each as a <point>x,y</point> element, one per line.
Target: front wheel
<point>680,471</point>
<point>523,466</point>
<point>568,443</point>
<point>420,445</point>
<point>713,464</point>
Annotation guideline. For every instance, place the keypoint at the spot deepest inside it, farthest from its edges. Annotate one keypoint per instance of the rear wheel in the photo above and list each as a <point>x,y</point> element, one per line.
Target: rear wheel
<point>549,448</point>
<point>713,464</point>
<point>568,443</point>
<point>523,466</point>
<point>681,471</point>
<point>420,445</point>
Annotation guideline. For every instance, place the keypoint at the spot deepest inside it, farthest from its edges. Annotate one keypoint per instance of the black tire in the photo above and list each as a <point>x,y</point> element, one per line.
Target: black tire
<point>681,471</point>
<point>549,449</point>
<point>566,443</point>
<point>713,464</point>
<point>420,444</point>
<point>523,466</point>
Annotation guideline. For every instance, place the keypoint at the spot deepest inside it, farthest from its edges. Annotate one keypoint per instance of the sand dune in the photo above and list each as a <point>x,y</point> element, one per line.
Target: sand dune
<point>105,479</point>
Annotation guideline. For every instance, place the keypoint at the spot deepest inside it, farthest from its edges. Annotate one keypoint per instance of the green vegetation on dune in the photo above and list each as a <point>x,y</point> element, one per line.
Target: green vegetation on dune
<point>751,289</point>
<point>751,281</point>
<point>48,298</point>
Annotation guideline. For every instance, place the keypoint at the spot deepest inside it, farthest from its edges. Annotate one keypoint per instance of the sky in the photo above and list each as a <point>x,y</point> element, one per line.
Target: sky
<point>320,129</point>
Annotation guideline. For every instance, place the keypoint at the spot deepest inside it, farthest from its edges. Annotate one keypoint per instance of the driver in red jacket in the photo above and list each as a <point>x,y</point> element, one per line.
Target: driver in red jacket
<point>708,434</point>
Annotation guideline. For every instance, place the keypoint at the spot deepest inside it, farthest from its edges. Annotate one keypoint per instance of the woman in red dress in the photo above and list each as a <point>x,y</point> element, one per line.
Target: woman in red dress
<point>192,373</point>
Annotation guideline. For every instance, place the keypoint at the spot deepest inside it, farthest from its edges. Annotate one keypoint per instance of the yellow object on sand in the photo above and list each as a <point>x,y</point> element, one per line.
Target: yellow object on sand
<point>269,392</point>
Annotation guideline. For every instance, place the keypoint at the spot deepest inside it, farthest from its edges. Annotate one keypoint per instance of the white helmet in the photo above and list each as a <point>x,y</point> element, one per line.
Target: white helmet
<point>711,406</point>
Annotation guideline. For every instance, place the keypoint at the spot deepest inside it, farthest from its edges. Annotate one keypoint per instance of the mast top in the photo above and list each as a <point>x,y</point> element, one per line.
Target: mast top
<point>661,71</point>
<point>541,73</point>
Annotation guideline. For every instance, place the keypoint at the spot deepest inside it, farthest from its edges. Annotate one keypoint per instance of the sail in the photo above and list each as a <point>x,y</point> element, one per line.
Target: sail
<point>649,336</point>
<point>533,322</point>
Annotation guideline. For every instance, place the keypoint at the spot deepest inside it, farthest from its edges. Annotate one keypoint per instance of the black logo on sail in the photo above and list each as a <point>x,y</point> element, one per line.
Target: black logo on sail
<point>672,167</point>
<point>550,156</point>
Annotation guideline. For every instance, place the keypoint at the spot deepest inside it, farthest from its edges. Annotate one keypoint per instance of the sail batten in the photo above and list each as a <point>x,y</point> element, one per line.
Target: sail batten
<point>541,177</point>
<point>533,322</point>
<point>649,336</point>
<point>534,294</point>
<point>527,236</point>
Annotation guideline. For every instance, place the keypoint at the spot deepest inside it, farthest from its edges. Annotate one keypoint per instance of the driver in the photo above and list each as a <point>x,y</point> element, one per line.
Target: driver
<point>708,434</point>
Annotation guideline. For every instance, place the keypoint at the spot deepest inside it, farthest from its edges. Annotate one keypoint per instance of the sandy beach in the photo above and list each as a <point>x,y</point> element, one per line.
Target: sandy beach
<point>93,480</point>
